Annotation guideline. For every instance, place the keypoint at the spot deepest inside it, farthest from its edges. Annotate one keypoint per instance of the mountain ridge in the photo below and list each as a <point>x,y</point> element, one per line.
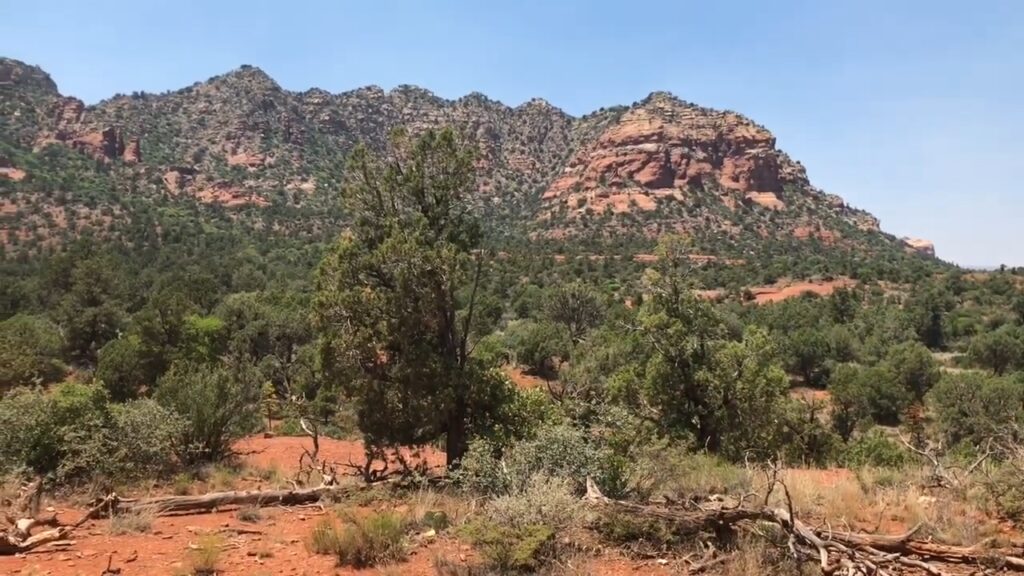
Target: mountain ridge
<point>240,141</point>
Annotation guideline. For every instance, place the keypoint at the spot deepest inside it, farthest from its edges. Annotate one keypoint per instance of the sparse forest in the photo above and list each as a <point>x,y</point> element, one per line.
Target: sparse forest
<point>245,330</point>
<point>656,408</point>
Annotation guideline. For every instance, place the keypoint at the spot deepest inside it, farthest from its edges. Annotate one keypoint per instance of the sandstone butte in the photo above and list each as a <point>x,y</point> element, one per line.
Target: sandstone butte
<point>667,146</point>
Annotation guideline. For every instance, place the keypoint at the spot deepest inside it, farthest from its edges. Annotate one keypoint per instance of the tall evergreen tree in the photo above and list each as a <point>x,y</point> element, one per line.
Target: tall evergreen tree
<point>396,296</point>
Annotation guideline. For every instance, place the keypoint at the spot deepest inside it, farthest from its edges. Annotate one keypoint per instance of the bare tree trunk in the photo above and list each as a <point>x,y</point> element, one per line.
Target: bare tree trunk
<point>456,442</point>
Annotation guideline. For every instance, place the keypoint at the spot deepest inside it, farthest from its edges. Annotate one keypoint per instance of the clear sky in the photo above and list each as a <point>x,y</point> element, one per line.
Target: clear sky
<point>909,109</point>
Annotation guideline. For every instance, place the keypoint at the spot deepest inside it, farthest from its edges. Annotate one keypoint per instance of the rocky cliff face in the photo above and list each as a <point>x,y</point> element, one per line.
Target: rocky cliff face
<point>920,246</point>
<point>663,148</point>
<point>241,141</point>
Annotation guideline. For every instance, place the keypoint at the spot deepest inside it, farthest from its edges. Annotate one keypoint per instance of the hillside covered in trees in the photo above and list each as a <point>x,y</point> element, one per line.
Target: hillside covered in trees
<point>560,320</point>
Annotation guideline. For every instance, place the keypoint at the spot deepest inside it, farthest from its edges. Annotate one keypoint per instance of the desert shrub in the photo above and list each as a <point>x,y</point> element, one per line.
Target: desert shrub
<point>73,434</point>
<point>876,449</point>
<point>123,369</point>
<point>289,427</point>
<point>221,476</point>
<point>217,404</point>
<point>866,394</point>
<point>678,474</point>
<point>533,343</point>
<point>646,535</point>
<point>444,566</point>
<point>491,350</point>
<point>134,522</point>
<point>807,350</point>
<point>142,437</point>
<point>1003,491</point>
<point>516,548</point>
<point>515,532</point>
<point>911,367</point>
<point>543,501</point>
<point>249,514</point>
<point>30,351</point>
<point>969,408</point>
<point>50,433</point>
<point>756,556</point>
<point>204,559</point>
<point>558,451</point>
<point>360,542</point>
<point>807,438</point>
<point>324,538</point>
<point>851,399</point>
<point>181,484</point>
<point>1000,350</point>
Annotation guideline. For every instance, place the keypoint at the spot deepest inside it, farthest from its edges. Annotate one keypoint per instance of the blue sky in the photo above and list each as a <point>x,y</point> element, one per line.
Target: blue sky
<point>909,109</point>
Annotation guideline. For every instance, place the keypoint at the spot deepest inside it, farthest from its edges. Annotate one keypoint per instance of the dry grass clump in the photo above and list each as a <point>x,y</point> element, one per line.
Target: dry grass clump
<point>756,557</point>
<point>204,558</point>
<point>832,494</point>
<point>361,542</point>
<point>249,514</point>
<point>133,522</point>
<point>544,501</point>
<point>429,509</point>
<point>678,475</point>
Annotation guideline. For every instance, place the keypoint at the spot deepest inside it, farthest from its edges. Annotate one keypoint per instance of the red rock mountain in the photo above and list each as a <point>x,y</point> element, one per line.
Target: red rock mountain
<point>240,141</point>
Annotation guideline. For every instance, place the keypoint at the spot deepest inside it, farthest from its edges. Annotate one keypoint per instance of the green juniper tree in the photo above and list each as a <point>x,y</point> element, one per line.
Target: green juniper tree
<point>396,296</point>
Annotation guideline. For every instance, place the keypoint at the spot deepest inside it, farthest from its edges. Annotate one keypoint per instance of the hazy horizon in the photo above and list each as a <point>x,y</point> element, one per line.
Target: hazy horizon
<point>908,111</point>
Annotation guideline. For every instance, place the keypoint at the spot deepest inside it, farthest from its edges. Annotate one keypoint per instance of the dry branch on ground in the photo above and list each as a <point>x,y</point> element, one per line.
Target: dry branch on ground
<point>836,553</point>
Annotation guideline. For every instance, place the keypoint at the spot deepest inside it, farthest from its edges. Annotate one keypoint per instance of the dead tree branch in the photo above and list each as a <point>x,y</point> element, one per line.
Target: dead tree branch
<point>835,553</point>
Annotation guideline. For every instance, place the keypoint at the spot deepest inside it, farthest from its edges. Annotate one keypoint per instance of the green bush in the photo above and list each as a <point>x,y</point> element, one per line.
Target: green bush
<point>73,434</point>
<point>1004,491</point>
<point>1000,351</point>
<point>30,351</point>
<point>971,407</point>
<point>875,449</point>
<point>122,368</point>
<point>325,537</point>
<point>543,501</point>
<point>558,451</point>
<point>53,433</point>
<point>218,406</point>
<point>533,343</point>
<point>515,548</point>
<point>678,474</point>
<point>141,440</point>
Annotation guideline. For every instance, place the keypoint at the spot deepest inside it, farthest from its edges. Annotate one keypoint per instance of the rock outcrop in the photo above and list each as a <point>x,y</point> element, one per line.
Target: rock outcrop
<point>663,148</point>
<point>920,246</point>
<point>252,161</point>
<point>177,178</point>
<point>132,152</point>
<point>103,143</point>
<point>9,171</point>
<point>228,195</point>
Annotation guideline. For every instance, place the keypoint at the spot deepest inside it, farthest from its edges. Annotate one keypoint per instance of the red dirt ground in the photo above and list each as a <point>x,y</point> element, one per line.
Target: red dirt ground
<point>276,546</point>
<point>524,381</point>
<point>283,452</point>
<point>810,394</point>
<point>779,292</point>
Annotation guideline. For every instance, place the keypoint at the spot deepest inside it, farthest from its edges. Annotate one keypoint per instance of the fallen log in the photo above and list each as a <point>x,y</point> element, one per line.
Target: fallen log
<point>836,553</point>
<point>905,545</point>
<point>172,505</point>
<point>19,539</point>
